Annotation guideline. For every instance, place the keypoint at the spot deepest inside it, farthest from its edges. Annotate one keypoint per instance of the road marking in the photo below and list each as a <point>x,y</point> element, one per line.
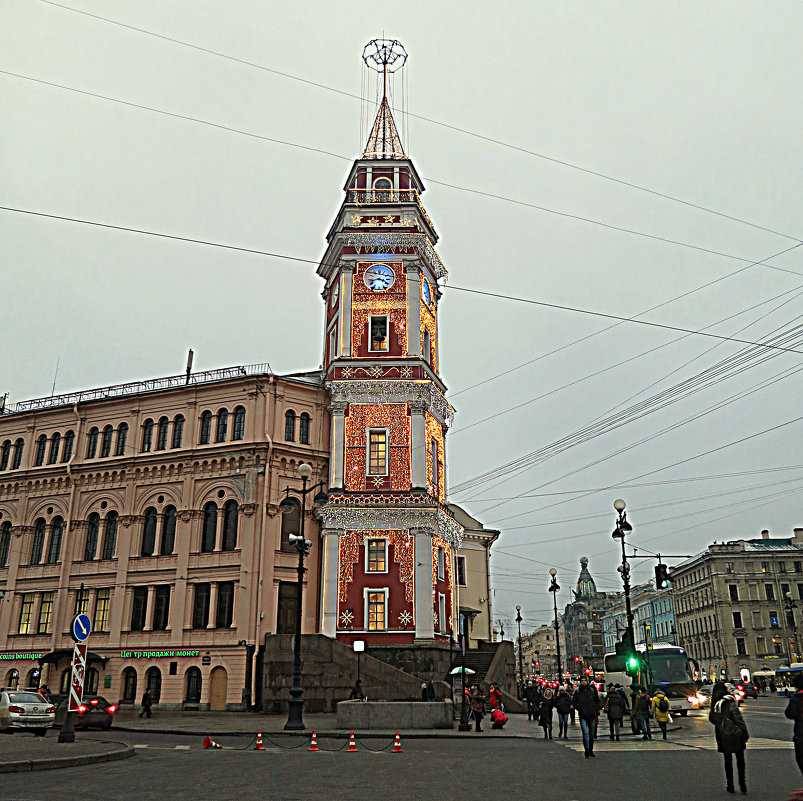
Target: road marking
<point>140,745</point>
<point>182,748</point>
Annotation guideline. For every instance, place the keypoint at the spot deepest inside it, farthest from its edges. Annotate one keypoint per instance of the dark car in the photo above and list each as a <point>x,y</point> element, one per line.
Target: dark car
<point>95,712</point>
<point>749,688</point>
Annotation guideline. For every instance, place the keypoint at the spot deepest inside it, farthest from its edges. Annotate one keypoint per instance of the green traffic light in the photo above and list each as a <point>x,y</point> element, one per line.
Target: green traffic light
<point>632,662</point>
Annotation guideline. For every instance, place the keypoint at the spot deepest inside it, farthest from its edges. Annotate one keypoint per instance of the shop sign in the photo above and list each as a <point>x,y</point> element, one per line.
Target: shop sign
<point>22,655</point>
<point>206,660</point>
<point>157,654</point>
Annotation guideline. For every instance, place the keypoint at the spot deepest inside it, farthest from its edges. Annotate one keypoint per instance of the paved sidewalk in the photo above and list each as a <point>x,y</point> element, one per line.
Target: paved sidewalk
<point>24,752</point>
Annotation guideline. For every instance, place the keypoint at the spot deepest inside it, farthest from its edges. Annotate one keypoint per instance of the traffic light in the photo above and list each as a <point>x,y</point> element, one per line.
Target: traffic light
<point>632,665</point>
<point>662,579</point>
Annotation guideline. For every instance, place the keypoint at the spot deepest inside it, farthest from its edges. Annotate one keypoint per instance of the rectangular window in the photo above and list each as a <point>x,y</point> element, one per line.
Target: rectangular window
<point>377,556</point>
<point>729,567</point>
<point>102,600</point>
<point>758,622</point>
<point>774,619</point>
<point>442,612</point>
<point>81,602</point>
<point>782,567</point>
<point>376,609</point>
<point>26,613</point>
<point>161,607</point>
<point>737,620</point>
<point>753,588</point>
<point>379,333</point>
<point>139,604</point>
<point>734,592</point>
<point>461,572</point>
<point>378,453</point>
<point>777,646</point>
<point>441,564</point>
<point>45,613</point>
<point>200,607</point>
<point>784,590</point>
<point>800,591</point>
<point>333,344</point>
<point>225,604</point>
<point>765,567</point>
<point>798,567</point>
<point>761,646</point>
<point>769,591</point>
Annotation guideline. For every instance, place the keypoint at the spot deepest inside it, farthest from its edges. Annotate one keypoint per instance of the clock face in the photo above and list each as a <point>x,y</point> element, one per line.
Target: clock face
<point>335,293</point>
<point>425,291</point>
<point>379,277</point>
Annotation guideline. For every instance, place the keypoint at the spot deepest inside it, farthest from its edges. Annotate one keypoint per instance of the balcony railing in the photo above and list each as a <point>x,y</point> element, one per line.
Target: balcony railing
<point>364,197</point>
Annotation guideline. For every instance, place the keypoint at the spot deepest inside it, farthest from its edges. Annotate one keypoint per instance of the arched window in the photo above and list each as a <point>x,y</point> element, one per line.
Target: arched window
<point>239,423</point>
<point>122,436</point>
<point>291,524</point>
<point>230,512</point>
<point>147,435</point>
<point>427,347</point>
<point>148,533</point>
<point>92,530</point>
<point>55,444</point>
<point>192,694</point>
<point>38,542</point>
<point>382,183</point>
<point>222,425</point>
<point>206,427</point>
<point>178,430</point>
<point>5,543</point>
<point>19,446</point>
<point>41,444</point>
<point>210,528</point>
<point>153,683</point>
<point>92,443</point>
<point>106,442</point>
<point>129,685</point>
<point>303,429</point>
<point>91,682</point>
<point>56,533</point>
<point>110,535</point>
<point>69,441</point>
<point>290,425</point>
<point>5,455</point>
<point>161,435</point>
<point>168,531</point>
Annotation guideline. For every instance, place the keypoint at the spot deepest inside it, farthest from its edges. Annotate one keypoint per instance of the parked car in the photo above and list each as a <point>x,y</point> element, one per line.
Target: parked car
<point>749,688</point>
<point>95,712</point>
<point>26,710</point>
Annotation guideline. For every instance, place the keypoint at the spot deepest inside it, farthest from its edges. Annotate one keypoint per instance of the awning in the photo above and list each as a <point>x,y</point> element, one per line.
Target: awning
<point>66,653</point>
<point>470,612</point>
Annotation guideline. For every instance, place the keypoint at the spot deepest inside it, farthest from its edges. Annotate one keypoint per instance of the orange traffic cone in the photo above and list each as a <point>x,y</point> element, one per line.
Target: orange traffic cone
<point>259,746</point>
<point>397,749</point>
<point>313,745</point>
<point>210,743</point>
<point>352,744</point>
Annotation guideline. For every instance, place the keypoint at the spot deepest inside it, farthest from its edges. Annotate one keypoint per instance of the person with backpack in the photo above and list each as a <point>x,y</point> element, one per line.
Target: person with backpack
<point>642,709</point>
<point>615,707</point>
<point>660,710</point>
<point>794,711</point>
<point>731,733</point>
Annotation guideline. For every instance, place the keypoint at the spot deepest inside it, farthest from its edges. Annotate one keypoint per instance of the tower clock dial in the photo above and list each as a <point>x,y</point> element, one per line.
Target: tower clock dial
<point>335,293</point>
<point>379,278</point>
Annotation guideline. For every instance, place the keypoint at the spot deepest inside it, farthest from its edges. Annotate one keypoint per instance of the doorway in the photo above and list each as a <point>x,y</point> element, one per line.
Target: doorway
<point>218,687</point>
<point>287,608</point>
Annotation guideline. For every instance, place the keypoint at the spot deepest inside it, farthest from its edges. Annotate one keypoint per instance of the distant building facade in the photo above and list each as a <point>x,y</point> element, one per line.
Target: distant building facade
<point>651,607</point>
<point>540,653</point>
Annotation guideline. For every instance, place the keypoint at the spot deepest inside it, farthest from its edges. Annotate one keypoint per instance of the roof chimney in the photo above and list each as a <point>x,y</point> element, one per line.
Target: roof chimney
<point>798,531</point>
<point>765,535</point>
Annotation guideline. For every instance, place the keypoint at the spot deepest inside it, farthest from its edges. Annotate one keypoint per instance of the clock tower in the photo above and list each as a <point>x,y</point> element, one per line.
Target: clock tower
<point>389,541</point>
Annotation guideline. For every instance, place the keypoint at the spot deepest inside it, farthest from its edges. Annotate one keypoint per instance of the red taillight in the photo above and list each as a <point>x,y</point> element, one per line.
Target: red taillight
<point>82,709</point>
<point>94,702</point>
<point>50,709</point>
<point>18,709</point>
<point>111,709</point>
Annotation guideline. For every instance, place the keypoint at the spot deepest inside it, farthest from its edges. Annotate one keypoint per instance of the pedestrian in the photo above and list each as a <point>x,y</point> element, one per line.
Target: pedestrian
<point>773,688</point>
<point>430,691</point>
<point>642,709</point>
<point>563,704</point>
<point>423,691</point>
<point>615,707</point>
<point>586,702</point>
<point>570,693</point>
<point>794,711</point>
<point>731,733</point>
<point>660,710</point>
<point>545,714</point>
<point>477,705</point>
<point>357,693</point>
<point>145,707</point>
<point>529,695</point>
<point>498,719</point>
<point>495,698</point>
<point>44,691</point>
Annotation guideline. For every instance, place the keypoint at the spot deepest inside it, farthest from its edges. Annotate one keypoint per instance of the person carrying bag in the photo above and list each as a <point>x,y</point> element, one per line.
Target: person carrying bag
<point>731,733</point>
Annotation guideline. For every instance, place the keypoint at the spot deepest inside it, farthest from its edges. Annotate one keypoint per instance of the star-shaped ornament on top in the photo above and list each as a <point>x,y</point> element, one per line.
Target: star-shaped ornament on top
<point>356,219</point>
<point>373,221</point>
<point>389,218</point>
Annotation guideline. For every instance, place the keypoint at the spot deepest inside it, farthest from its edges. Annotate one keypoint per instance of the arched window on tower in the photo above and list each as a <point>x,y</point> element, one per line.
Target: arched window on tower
<point>209,528</point>
<point>222,425</point>
<point>148,533</point>
<point>106,442</point>
<point>290,425</point>
<point>178,431</point>
<point>168,531</point>
<point>122,437</point>
<point>69,442</point>
<point>38,542</point>
<point>41,444</point>
<point>56,533</point>
<point>303,428</point>
<point>206,427</point>
<point>5,455</point>
<point>161,434</point>
<point>5,543</point>
<point>239,423</point>
<point>55,444</point>
<point>230,512</point>
<point>110,535</point>
<point>147,435</point>
<point>19,446</point>
<point>92,443</point>
<point>92,530</point>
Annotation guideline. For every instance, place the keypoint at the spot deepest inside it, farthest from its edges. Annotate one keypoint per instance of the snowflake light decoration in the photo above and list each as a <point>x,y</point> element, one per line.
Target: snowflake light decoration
<point>405,618</point>
<point>347,617</point>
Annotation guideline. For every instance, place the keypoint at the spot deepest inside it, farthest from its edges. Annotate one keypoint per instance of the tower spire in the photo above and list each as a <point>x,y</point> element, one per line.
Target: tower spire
<point>385,56</point>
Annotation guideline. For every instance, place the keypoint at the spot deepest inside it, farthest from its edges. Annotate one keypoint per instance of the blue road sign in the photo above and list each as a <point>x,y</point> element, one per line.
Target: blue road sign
<point>81,627</point>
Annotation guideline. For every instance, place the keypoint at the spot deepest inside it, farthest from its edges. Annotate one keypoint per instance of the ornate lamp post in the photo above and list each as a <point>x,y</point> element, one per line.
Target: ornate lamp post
<point>295,720</point>
<point>623,528</point>
<point>553,588</point>
<point>521,662</point>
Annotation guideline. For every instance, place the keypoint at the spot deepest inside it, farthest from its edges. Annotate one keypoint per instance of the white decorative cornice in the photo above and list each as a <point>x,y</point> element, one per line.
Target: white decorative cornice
<point>412,392</point>
<point>392,242</point>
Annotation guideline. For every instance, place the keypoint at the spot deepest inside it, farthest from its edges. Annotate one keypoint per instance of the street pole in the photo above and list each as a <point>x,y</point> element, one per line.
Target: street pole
<point>553,588</point>
<point>789,606</point>
<point>622,528</point>
<point>464,722</point>
<point>521,662</point>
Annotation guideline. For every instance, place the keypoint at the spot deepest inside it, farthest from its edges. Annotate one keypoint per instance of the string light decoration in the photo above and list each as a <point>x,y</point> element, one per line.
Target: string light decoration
<point>348,552</point>
<point>429,323</point>
<point>395,418</point>
<point>435,432</point>
<point>405,618</point>
<point>404,557</point>
<point>440,542</point>
<point>366,303</point>
<point>393,242</point>
<point>393,392</point>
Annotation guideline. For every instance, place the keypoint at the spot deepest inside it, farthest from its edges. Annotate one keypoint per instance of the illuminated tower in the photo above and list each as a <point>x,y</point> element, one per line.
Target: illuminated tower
<point>389,543</point>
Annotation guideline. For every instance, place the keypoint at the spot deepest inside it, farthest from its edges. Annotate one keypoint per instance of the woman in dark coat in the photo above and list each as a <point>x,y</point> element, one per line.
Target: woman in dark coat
<point>477,705</point>
<point>563,703</point>
<point>731,732</point>
<point>615,707</point>
<point>545,714</point>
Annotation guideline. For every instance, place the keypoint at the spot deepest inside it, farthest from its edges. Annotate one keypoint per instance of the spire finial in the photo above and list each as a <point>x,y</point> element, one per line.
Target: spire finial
<point>385,56</point>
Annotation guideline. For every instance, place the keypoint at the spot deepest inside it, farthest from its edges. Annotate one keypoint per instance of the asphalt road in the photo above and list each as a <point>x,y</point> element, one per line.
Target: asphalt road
<point>685,766</point>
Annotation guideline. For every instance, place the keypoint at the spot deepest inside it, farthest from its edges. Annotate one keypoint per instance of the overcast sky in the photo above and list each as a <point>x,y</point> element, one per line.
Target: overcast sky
<point>594,104</point>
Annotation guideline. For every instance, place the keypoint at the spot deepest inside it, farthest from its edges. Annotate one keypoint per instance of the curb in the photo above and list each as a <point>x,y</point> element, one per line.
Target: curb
<point>52,763</point>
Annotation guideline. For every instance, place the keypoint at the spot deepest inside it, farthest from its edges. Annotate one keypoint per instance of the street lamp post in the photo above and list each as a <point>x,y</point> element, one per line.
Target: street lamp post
<point>521,662</point>
<point>789,606</point>
<point>295,719</point>
<point>553,588</point>
<point>622,528</point>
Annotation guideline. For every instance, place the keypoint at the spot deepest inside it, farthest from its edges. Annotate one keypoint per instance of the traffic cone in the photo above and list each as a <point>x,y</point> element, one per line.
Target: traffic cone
<point>352,744</point>
<point>259,746</point>
<point>210,743</point>
<point>313,746</point>
<point>397,749</point>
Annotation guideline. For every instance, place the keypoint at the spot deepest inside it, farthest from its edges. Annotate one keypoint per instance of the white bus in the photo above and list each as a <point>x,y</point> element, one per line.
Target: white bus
<point>666,667</point>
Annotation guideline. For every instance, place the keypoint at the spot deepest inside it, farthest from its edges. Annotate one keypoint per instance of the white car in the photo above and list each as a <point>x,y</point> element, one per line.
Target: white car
<point>26,710</point>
